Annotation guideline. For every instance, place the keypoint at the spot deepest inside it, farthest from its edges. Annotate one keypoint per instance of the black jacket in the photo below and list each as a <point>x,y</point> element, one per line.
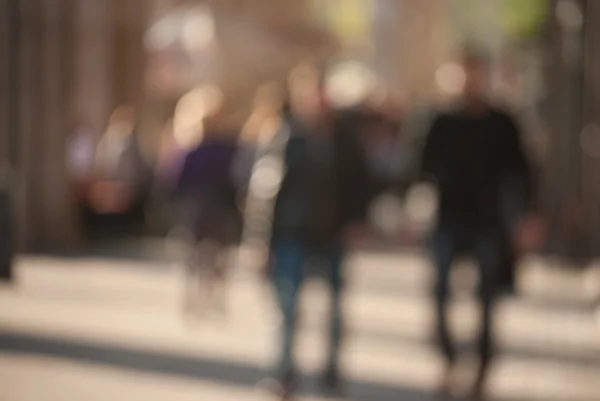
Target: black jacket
<point>325,185</point>
<point>472,159</point>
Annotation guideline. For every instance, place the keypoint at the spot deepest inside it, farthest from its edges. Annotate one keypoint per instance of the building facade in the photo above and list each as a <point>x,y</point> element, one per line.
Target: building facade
<point>71,59</point>
<point>66,58</point>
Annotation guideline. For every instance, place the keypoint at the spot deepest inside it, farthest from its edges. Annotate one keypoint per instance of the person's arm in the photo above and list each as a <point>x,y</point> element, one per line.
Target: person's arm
<point>182,178</point>
<point>359,184</point>
<point>355,179</point>
<point>430,154</point>
<point>531,228</point>
<point>261,200</point>
<point>519,168</point>
<point>242,165</point>
<point>357,193</point>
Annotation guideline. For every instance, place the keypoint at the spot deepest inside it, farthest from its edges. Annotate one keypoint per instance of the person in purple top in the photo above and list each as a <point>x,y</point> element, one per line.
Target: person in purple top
<point>207,204</point>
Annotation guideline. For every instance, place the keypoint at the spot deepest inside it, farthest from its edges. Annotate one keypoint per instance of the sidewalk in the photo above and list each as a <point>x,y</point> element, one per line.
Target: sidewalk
<point>99,329</point>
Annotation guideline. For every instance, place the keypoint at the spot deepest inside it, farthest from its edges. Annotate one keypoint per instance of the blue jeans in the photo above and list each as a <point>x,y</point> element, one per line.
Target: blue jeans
<point>484,242</point>
<point>289,273</point>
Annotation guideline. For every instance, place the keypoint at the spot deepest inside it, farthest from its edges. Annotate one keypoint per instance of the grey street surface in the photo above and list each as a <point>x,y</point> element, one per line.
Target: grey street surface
<point>99,329</point>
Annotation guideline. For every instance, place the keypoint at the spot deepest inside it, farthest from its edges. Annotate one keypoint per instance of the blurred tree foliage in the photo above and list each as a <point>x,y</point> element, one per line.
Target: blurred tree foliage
<point>349,20</point>
<point>522,18</point>
<point>492,20</point>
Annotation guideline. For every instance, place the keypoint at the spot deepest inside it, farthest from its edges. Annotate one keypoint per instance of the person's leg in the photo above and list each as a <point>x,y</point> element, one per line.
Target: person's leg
<point>489,253</point>
<point>288,273</point>
<point>201,283</point>
<point>444,252</point>
<point>444,247</point>
<point>219,277</point>
<point>506,270</point>
<point>191,277</point>
<point>335,256</point>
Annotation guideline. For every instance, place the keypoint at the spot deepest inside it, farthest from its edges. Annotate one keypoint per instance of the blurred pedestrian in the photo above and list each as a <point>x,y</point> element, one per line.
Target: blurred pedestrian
<point>470,155</point>
<point>264,122</point>
<point>120,168</point>
<point>319,210</point>
<point>207,204</point>
<point>81,155</point>
<point>166,172</point>
<point>381,139</point>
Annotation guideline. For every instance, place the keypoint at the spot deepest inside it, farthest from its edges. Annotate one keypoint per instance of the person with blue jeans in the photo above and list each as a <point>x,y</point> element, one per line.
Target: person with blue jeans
<point>291,256</point>
<point>470,155</point>
<point>320,205</point>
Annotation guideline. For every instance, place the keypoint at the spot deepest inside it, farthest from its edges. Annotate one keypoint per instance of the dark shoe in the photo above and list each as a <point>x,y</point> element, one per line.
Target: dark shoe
<point>476,394</point>
<point>331,382</point>
<point>287,386</point>
<point>282,388</point>
<point>478,391</point>
<point>446,383</point>
<point>6,272</point>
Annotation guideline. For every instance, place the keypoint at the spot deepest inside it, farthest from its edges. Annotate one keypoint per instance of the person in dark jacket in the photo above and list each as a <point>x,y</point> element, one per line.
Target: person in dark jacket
<point>319,208</point>
<point>470,155</point>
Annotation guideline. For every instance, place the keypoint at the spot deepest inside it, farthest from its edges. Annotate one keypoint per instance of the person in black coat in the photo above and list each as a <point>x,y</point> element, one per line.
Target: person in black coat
<point>319,207</point>
<point>471,155</point>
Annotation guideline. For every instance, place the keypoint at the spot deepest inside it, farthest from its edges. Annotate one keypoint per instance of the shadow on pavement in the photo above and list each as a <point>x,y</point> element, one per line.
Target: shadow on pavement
<point>239,375</point>
<point>574,356</point>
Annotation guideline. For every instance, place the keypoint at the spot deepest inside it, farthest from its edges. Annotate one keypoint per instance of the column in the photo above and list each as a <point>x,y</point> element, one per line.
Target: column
<point>5,93</point>
<point>591,120</point>
<point>128,27</point>
<point>93,77</point>
<point>29,193</point>
<point>59,230</point>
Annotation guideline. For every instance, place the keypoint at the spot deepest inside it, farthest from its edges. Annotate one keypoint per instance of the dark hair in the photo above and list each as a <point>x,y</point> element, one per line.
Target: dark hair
<point>474,55</point>
<point>286,108</point>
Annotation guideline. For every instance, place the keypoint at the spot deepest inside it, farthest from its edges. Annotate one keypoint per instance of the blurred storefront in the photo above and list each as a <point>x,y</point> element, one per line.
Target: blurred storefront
<point>590,136</point>
<point>8,44</point>
<point>78,60</point>
<point>70,60</point>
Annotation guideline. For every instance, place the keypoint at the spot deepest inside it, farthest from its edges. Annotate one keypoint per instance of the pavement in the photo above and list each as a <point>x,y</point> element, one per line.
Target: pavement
<point>96,329</point>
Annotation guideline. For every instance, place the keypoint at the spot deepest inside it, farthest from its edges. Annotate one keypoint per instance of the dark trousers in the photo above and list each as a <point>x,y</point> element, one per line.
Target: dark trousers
<point>484,242</point>
<point>289,272</point>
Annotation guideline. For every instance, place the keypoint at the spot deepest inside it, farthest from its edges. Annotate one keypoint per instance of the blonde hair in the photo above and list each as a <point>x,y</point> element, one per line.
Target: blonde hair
<point>264,118</point>
<point>192,110</point>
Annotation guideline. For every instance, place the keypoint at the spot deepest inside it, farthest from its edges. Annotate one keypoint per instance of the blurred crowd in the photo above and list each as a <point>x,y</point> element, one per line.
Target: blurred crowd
<point>298,180</point>
<point>114,181</point>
